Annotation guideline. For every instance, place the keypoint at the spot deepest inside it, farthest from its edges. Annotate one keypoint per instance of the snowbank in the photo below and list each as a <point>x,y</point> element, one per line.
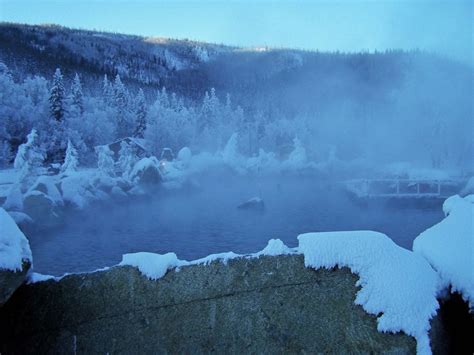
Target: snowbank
<point>14,247</point>
<point>449,246</point>
<point>394,281</point>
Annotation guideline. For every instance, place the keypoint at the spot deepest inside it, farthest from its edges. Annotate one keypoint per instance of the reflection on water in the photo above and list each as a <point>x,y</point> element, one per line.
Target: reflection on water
<point>200,221</point>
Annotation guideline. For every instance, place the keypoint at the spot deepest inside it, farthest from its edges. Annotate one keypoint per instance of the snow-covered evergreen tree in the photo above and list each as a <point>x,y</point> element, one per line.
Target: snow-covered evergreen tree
<point>29,157</point>
<point>106,161</point>
<point>140,115</point>
<point>71,161</point>
<point>57,97</point>
<point>107,91</point>
<point>120,104</point>
<point>127,159</point>
<point>77,99</point>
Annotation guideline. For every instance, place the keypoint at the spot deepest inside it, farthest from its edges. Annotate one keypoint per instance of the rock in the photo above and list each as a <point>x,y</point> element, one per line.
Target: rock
<point>11,280</point>
<point>146,172</point>
<point>255,203</point>
<point>259,305</point>
<point>41,208</point>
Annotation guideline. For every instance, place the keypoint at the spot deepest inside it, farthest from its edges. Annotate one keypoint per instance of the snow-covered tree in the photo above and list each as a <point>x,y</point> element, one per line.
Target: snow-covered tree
<point>106,161</point>
<point>57,97</point>
<point>71,161</point>
<point>140,115</point>
<point>77,99</point>
<point>29,157</point>
<point>127,159</point>
<point>107,91</point>
<point>120,104</point>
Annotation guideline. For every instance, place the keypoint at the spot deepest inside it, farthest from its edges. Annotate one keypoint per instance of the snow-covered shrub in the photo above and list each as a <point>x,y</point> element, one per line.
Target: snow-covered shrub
<point>29,157</point>
<point>185,156</point>
<point>127,159</point>
<point>106,161</point>
<point>71,161</point>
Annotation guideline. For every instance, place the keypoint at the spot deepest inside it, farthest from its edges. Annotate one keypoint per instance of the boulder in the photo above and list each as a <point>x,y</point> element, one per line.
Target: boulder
<point>146,172</point>
<point>41,208</point>
<point>11,280</point>
<point>255,203</point>
<point>270,304</point>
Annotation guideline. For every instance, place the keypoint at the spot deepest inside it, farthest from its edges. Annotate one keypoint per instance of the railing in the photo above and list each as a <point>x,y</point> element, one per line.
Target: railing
<point>400,188</point>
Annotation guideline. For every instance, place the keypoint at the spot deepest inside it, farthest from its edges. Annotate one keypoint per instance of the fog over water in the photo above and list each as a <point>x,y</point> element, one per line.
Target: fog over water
<point>204,219</point>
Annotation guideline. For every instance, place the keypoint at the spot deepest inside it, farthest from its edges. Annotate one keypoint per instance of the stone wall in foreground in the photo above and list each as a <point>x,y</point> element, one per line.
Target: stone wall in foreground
<point>263,305</point>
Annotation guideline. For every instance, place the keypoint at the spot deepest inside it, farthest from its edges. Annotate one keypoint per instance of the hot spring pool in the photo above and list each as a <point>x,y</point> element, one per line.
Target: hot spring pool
<point>200,221</point>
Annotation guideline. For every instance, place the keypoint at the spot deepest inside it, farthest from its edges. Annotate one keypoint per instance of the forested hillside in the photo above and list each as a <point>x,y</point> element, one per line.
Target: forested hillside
<point>93,87</point>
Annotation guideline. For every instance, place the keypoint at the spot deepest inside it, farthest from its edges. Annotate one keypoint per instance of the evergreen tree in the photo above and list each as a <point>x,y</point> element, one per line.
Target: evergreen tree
<point>127,159</point>
<point>57,96</point>
<point>140,115</point>
<point>120,104</point>
<point>107,91</point>
<point>77,99</point>
<point>106,161</point>
<point>71,161</point>
<point>29,157</point>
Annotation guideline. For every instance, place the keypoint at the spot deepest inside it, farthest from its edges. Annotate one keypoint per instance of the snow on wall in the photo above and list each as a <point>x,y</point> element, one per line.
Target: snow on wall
<point>14,247</point>
<point>449,246</point>
<point>394,281</point>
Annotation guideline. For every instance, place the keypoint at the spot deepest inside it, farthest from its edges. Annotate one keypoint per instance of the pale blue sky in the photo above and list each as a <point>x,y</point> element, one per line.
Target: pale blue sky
<point>351,25</point>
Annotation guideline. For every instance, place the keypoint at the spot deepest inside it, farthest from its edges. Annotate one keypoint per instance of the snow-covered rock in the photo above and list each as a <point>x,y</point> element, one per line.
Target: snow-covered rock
<point>15,256</point>
<point>14,200</point>
<point>449,246</point>
<point>185,156</point>
<point>14,247</point>
<point>469,188</point>
<point>40,207</point>
<point>20,217</point>
<point>395,282</point>
<point>146,172</point>
<point>47,185</point>
<point>255,203</point>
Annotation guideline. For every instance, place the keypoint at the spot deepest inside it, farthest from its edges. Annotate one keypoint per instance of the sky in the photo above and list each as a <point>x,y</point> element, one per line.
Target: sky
<point>444,27</point>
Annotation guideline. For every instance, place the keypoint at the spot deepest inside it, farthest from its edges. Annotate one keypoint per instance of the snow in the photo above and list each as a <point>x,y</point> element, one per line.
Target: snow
<point>469,188</point>
<point>275,247</point>
<point>14,201</point>
<point>396,282</point>
<point>222,257</point>
<point>142,165</point>
<point>76,191</point>
<point>20,217</point>
<point>47,185</point>
<point>154,266</point>
<point>449,246</point>
<point>14,247</point>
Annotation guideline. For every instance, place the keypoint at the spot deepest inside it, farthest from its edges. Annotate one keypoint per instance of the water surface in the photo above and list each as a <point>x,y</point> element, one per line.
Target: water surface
<point>196,222</point>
